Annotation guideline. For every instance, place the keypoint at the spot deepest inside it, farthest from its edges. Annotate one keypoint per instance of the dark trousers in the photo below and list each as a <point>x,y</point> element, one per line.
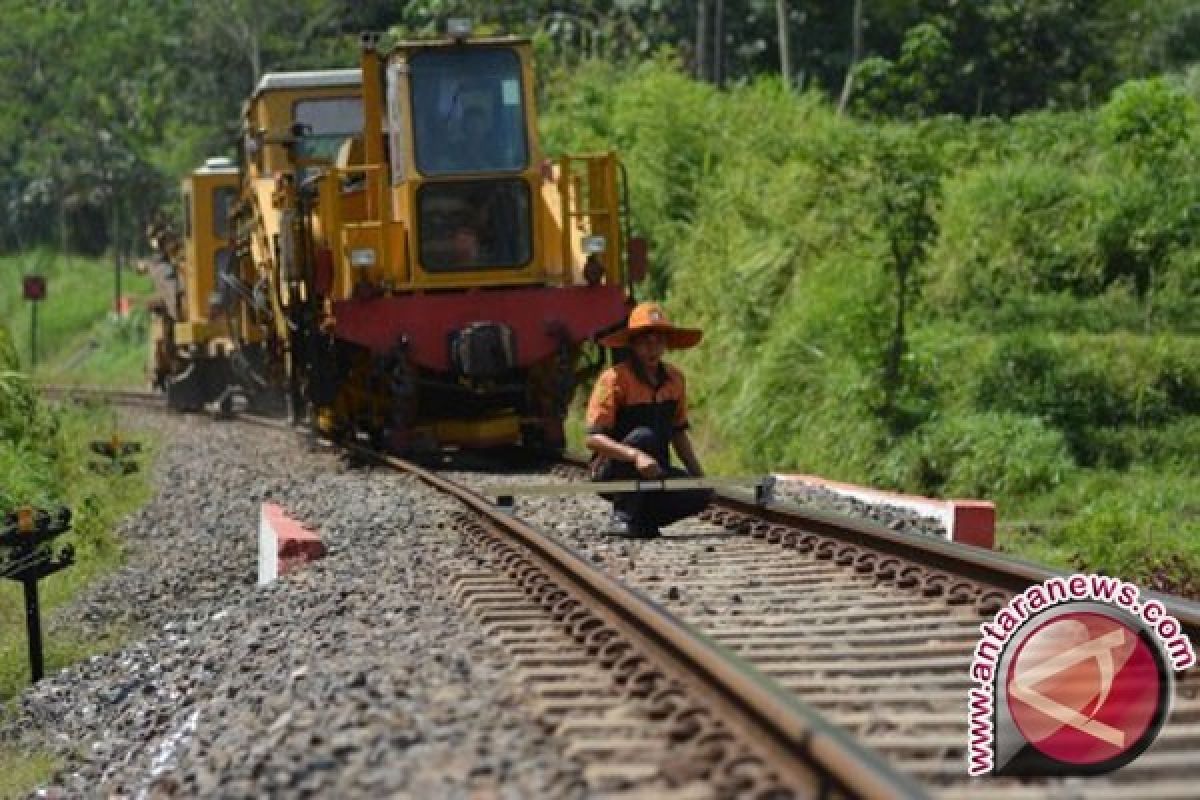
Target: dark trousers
<point>651,509</point>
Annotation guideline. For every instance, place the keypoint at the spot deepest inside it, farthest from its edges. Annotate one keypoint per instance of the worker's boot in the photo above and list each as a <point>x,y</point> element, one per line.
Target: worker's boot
<point>620,524</point>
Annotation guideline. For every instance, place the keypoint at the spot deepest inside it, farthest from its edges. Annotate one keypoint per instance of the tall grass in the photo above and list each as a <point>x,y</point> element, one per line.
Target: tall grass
<point>44,462</point>
<point>78,339</point>
<point>1052,333</point>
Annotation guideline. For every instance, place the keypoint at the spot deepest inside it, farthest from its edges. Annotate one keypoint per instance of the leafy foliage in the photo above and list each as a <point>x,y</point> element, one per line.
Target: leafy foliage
<point>105,103</point>
<point>1152,116</point>
<point>992,454</point>
<point>987,308</point>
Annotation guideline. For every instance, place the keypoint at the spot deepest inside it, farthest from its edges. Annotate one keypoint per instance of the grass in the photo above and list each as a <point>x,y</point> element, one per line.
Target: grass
<point>99,502</point>
<point>113,353</point>
<point>1141,525</point>
<point>78,339</point>
<point>20,770</point>
<point>45,457</point>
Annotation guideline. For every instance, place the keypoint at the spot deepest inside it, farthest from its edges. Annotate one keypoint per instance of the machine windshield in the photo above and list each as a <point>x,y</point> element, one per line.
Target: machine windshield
<point>329,122</point>
<point>468,111</point>
<point>467,225</point>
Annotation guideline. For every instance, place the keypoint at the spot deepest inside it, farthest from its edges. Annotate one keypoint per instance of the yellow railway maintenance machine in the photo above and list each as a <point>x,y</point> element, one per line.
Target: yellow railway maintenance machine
<point>216,305</point>
<point>292,116</point>
<point>437,279</point>
<point>190,343</point>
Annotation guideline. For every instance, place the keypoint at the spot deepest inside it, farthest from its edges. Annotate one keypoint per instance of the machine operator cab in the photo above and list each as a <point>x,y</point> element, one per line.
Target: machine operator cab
<point>453,190</point>
<point>190,334</point>
<point>455,275</point>
<point>208,196</point>
<point>307,116</point>
<point>292,116</point>
<point>324,106</point>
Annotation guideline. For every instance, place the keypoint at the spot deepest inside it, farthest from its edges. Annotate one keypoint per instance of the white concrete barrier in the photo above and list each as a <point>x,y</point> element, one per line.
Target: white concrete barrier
<point>283,544</point>
<point>966,521</point>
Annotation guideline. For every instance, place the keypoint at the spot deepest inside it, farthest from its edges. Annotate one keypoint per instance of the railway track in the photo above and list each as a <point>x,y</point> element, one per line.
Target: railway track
<point>873,629</point>
<point>125,397</point>
<point>788,653</point>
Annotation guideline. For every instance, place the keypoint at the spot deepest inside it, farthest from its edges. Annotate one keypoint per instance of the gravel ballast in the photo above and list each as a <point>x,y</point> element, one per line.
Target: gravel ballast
<point>893,517</point>
<point>358,676</point>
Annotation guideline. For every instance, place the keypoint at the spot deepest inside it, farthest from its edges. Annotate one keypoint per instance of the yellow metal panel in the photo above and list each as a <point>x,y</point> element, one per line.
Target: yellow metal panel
<point>197,333</point>
<point>549,208</point>
<point>397,266</point>
<point>498,430</point>
<point>272,112</point>
<point>203,244</point>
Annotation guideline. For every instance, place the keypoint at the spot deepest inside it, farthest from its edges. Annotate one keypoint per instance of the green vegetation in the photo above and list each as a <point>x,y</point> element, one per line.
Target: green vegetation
<point>44,460</point>
<point>21,771</point>
<point>998,309</point>
<point>105,104</point>
<point>79,340</point>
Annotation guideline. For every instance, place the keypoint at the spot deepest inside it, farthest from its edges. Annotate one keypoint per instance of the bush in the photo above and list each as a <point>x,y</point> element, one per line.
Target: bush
<point>986,455</point>
<point>1152,117</point>
<point>1174,446</point>
<point>1093,387</point>
<point>1015,229</point>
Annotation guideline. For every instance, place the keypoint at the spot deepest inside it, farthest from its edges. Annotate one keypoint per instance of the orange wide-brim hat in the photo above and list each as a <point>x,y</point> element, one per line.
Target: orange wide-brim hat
<point>650,317</point>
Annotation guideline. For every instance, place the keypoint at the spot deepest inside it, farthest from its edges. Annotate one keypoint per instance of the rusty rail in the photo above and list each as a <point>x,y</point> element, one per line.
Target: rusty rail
<point>808,750</point>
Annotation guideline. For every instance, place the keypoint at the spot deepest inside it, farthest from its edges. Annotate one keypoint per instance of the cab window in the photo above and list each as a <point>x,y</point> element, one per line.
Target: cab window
<point>474,225</point>
<point>468,111</point>
<point>222,203</point>
<point>330,121</point>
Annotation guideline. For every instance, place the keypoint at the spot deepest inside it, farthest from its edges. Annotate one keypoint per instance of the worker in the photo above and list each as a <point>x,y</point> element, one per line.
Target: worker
<point>637,412</point>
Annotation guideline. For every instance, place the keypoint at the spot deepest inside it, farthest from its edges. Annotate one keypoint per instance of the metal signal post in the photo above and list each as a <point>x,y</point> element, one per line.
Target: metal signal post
<point>119,454</point>
<point>25,536</point>
<point>33,289</point>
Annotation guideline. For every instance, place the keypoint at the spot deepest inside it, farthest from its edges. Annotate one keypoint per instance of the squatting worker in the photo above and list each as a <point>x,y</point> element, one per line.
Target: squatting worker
<point>637,411</point>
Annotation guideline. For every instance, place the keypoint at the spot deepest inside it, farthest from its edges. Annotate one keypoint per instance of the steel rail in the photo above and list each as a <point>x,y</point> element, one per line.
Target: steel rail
<point>135,397</point>
<point>972,563</point>
<point>795,733</point>
<point>794,729</point>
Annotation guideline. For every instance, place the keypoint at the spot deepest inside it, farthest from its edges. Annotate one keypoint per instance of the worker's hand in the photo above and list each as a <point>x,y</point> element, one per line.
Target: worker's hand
<point>646,466</point>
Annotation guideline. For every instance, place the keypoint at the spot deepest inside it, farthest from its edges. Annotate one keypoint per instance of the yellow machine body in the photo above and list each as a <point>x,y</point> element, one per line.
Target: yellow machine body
<point>209,194</point>
<point>444,195</point>
<point>405,260</point>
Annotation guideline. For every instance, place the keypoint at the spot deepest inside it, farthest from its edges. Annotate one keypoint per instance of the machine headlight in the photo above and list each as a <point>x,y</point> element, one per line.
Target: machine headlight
<point>593,245</point>
<point>362,257</point>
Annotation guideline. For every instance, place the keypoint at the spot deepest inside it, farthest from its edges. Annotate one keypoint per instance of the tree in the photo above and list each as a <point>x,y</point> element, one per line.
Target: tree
<point>906,168</point>
<point>782,15</point>
<point>266,32</point>
<point>702,70</point>
<point>856,26</point>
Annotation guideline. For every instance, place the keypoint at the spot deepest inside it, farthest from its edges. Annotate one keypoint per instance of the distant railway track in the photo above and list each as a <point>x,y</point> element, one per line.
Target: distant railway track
<point>126,397</point>
<point>800,653</point>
